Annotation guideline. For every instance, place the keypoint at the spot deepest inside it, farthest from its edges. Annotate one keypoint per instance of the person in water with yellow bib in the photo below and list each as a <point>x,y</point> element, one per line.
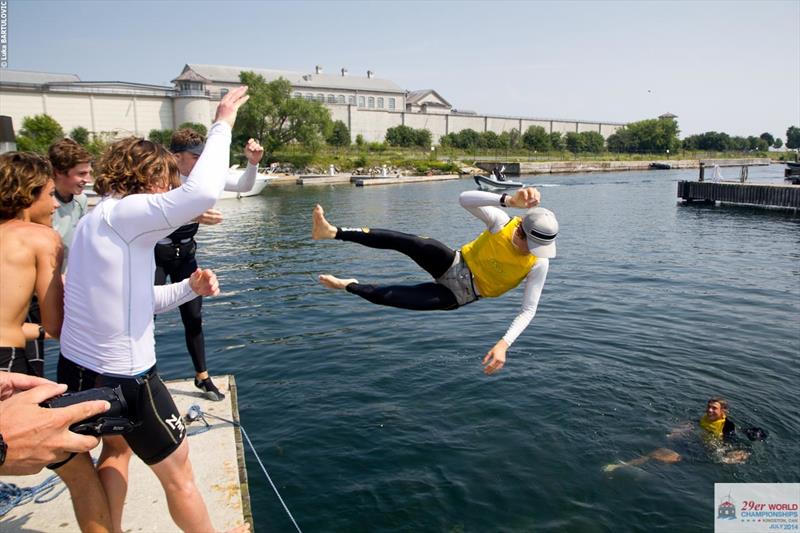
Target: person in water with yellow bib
<point>718,429</point>
<point>509,251</point>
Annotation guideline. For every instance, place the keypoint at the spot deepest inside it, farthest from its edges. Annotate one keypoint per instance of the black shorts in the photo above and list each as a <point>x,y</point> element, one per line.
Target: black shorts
<point>15,360</point>
<point>158,430</point>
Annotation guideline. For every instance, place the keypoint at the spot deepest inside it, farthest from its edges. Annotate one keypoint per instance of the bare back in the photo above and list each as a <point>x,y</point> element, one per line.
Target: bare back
<point>30,263</point>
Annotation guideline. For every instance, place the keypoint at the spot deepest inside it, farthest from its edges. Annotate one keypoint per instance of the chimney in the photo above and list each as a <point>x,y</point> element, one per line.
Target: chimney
<point>344,72</point>
<point>318,69</point>
<point>370,74</point>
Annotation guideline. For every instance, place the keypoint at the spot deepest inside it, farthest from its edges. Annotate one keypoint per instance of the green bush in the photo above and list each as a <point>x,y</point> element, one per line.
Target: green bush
<point>38,133</point>
<point>196,126</point>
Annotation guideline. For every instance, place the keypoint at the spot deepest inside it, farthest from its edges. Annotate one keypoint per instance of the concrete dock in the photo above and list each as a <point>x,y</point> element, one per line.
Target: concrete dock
<point>219,470</point>
<point>368,182</point>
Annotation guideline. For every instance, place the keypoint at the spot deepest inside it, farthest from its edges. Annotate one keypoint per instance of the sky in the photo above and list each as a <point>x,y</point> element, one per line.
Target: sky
<point>731,66</point>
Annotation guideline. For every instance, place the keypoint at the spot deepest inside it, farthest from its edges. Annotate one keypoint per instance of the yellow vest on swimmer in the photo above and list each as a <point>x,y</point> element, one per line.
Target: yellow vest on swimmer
<point>713,427</point>
<point>498,266</point>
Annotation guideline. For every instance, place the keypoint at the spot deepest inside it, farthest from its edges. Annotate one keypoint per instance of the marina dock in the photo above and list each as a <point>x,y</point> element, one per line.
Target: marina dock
<point>756,194</point>
<point>368,182</point>
<point>217,460</point>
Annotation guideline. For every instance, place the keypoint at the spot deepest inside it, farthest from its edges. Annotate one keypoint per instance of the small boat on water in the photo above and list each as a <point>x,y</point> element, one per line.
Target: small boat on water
<point>261,181</point>
<point>656,165</point>
<point>490,183</point>
<point>496,182</point>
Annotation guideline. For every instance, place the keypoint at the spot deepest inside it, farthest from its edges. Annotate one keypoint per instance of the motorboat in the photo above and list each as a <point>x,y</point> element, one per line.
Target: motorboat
<point>261,181</point>
<point>491,183</point>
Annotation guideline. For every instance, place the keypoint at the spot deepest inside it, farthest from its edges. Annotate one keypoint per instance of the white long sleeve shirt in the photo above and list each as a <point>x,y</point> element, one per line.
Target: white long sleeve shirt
<point>486,207</point>
<point>110,298</point>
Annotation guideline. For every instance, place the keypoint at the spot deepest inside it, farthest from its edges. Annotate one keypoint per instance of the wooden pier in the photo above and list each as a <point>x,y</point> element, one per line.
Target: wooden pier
<point>756,194</point>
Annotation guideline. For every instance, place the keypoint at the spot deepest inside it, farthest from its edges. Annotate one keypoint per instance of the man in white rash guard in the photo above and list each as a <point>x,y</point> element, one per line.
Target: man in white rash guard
<point>107,337</point>
<point>509,251</point>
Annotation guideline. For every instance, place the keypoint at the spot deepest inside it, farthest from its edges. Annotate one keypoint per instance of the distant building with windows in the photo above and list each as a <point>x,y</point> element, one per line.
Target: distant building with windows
<point>366,104</point>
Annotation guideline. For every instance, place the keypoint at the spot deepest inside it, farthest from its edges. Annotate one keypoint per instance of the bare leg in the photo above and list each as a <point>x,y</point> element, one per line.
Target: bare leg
<point>332,282</point>
<point>320,227</point>
<point>113,471</point>
<point>186,505</point>
<point>88,497</point>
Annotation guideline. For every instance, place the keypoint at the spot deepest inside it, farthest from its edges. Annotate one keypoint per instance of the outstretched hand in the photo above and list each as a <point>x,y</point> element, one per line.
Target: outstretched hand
<point>495,359</point>
<point>210,217</point>
<point>204,282</point>
<point>230,104</point>
<point>525,198</point>
<point>253,152</point>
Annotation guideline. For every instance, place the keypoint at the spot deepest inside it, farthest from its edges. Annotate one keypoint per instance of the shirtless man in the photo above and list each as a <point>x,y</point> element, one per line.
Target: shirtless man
<point>30,263</point>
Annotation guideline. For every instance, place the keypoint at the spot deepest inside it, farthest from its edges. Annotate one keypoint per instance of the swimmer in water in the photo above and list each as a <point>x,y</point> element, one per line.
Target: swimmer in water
<point>718,430</point>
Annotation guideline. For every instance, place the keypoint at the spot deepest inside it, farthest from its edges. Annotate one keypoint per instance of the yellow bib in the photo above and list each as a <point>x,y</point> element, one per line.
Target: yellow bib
<point>715,427</point>
<point>498,266</point>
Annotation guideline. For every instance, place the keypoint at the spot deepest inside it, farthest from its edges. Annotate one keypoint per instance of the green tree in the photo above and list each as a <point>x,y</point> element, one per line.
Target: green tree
<point>340,134</point>
<point>767,137</point>
<point>423,138</point>
<point>592,141</point>
<point>400,136</point>
<point>196,126</point>
<point>793,138</point>
<point>163,137</point>
<point>556,141</point>
<point>778,143</point>
<point>655,135</point>
<point>536,138</point>
<point>574,142</point>
<point>490,139</point>
<point>359,140</point>
<point>38,133</point>
<point>276,119</point>
<point>80,135</point>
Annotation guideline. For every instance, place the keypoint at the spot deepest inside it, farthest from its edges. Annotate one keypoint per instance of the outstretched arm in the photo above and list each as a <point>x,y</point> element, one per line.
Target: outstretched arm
<point>140,214</point>
<point>486,205</point>
<point>254,152</point>
<point>534,283</point>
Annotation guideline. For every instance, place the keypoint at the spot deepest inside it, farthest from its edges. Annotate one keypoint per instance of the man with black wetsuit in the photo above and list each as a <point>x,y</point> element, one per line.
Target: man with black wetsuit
<point>175,254</point>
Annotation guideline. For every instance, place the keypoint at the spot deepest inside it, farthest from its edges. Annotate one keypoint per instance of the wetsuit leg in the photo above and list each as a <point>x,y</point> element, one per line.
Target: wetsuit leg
<point>433,256</point>
<point>192,317</point>
<point>422,297</point>
<point>34,350</point>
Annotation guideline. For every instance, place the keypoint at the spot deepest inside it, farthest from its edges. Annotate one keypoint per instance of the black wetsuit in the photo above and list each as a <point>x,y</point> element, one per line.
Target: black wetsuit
<point>433,256</point>
<point>177,260</point>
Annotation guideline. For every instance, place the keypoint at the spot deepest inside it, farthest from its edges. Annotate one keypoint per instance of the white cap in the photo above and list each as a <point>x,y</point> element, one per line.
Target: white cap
<point>541,228</point>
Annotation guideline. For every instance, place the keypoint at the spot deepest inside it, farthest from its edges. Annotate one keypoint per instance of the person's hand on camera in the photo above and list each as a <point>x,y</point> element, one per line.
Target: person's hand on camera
<point>230,104</point>
<point>204,282</point>
<point>37,436</point>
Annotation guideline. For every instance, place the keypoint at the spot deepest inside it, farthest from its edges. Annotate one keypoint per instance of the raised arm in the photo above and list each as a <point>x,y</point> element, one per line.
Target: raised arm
<point>140,214</point>
<point>486,205</point>
<point>253,152</point>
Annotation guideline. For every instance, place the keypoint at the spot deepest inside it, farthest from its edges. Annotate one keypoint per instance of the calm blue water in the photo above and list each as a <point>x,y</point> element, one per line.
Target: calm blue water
<point>375,419</point>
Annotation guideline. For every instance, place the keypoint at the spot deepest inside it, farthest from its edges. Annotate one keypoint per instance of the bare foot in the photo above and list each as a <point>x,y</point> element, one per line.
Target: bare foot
<point>332,282</point>
<point>321,228</point>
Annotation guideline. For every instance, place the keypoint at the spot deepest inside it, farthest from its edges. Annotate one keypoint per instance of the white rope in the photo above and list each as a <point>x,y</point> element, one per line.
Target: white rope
<point>201,413</point>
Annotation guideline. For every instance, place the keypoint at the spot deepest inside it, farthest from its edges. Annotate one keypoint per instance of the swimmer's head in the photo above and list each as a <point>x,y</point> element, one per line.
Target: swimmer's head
<point>540,228</point>
<point>716,408</point>
<point>134,165</point>
<point>187,145</point>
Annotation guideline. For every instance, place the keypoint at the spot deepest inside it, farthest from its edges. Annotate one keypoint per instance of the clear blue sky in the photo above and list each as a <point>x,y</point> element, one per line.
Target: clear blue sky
<point>725,66</point>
